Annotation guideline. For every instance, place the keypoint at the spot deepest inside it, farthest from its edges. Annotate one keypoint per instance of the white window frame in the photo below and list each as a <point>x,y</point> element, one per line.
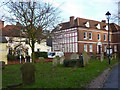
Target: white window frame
<point>85,47</point>
<point>90,48</point>
<point>89,35</point>
<point>85,35</point>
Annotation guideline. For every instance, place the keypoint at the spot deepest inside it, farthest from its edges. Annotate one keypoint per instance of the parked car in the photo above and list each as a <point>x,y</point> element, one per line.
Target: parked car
<point>54,54</point>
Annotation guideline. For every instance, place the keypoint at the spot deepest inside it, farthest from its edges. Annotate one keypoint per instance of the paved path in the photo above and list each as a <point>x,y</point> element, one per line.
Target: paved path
<point>113,78</point>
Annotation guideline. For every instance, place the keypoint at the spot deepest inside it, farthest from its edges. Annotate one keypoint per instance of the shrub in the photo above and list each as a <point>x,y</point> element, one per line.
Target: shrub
<point>73,62</point>
<point>41,54</point>
<point>11,57</point>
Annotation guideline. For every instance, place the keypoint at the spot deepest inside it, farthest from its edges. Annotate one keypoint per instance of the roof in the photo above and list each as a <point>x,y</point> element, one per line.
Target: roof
<point>80,22</point>
<point>14,31</point>
<point>3,40</point>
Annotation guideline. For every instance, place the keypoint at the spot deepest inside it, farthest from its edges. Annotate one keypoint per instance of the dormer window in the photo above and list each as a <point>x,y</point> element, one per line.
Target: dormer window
<point>106,27</point>
<point>87,24</point>
<point>98,26</point>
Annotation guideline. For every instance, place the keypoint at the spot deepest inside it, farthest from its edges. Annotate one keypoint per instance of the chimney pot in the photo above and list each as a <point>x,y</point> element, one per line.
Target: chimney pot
<point>104,21</point>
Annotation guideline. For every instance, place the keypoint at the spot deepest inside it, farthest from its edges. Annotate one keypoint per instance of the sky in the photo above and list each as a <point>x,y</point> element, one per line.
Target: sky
<point>89,9</point>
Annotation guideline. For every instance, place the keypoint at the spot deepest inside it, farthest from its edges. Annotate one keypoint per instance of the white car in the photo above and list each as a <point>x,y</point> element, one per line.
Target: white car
<point>54,54</point>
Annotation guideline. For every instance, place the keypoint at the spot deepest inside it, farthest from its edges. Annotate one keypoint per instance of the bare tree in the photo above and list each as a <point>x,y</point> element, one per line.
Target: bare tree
<point>35,19</point>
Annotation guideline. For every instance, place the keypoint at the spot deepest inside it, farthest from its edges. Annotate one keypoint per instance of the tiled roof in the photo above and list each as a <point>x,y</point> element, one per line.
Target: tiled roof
<point>80,22</point>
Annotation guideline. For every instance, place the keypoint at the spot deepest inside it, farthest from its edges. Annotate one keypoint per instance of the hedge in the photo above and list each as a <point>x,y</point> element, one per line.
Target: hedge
<point>73,62</point>
<point>41,54</point>
<point>13,57</point>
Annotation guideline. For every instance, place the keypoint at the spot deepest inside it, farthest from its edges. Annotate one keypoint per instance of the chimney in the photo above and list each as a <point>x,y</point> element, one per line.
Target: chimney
<point>104,21</point>
<point>1,24</point>
<point>78,21</point>
<point>71,21</point>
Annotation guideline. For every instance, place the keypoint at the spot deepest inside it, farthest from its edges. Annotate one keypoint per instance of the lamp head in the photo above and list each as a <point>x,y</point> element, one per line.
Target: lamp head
<point>108,15</point>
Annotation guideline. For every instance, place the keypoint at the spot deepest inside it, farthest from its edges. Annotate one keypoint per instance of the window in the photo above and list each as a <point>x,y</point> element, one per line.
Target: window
<point>87,24</point>
<point>109,38</point>
<point>98,36</point>
<point>105,37</point>
<point>90,36</point>
<point>38,41</point>
<point>90,48</point>
<point>105,48</point>
<point>38,50</point>
<point>85,47</point>
<point>85,35</point>
<point>10,40</point>
<point>115,48</point>
<point>98,26</point>
<point>26,41</point>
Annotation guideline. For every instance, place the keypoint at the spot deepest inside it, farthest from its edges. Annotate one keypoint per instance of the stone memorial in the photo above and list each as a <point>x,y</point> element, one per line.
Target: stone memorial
<point>28,73</point>
<point>102,56</point>
<point>2,65</point>
<point>62,59</point>
<point>86,58</point>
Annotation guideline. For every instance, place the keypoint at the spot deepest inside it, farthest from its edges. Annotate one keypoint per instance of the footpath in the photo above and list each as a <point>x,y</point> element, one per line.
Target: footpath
<point>108,79</point>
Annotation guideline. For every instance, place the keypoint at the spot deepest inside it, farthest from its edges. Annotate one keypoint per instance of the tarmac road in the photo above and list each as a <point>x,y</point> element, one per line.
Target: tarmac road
<point>113,78</point>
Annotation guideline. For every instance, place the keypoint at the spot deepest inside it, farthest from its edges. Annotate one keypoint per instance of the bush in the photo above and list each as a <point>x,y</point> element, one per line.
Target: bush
<point>13,57</point>
<point>41,54</point>
<point>73,62</point>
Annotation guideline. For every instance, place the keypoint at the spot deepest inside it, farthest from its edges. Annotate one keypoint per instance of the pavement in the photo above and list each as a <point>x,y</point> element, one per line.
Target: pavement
<point>113,80</point>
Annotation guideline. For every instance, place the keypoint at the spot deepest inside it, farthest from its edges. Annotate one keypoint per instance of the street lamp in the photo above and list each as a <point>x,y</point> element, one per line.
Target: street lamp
<point>108,15</point>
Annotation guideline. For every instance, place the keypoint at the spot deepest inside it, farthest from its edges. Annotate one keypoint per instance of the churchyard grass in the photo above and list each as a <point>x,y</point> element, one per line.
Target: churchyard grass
<point>47,76</point>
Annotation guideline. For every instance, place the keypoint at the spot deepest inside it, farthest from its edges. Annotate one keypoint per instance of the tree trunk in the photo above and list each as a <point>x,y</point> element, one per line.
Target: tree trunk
<point>33,52</point>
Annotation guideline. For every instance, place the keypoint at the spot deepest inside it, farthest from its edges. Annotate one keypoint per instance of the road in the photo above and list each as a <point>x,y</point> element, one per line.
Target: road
<point>113,78</point>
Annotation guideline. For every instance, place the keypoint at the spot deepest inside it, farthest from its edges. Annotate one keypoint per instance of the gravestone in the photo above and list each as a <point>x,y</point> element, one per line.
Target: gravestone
<point>115,55</point>
<point>74,56</point>
<point>2,65</point>
<point>86,58</point>
<point>102,56</point>
<point>41,60</point>
<point>62,59</point>
<point>55,61</point>
<point>28,73</point>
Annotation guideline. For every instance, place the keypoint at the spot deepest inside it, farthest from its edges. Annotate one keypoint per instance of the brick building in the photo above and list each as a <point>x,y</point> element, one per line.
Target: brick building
<point>80,35</point>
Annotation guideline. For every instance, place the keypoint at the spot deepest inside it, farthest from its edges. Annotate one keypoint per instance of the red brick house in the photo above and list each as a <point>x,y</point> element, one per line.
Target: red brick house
<point>78,35</point>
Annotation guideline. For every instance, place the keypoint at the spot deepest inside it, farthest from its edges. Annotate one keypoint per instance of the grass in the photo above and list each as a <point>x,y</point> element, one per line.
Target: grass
<point>59,77</point>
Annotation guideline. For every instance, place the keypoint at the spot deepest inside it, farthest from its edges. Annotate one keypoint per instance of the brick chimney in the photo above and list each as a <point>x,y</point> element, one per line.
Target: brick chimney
<point>1,24</point>
<point>78,22</point>
<point>71,21</point>
<point>103,21</point>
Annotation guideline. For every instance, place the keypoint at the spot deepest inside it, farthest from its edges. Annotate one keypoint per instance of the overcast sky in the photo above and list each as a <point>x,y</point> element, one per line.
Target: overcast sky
<point>89,9</point>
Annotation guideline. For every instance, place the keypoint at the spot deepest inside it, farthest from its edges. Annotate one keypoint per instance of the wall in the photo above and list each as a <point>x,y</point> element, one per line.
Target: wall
<point>3,52</point>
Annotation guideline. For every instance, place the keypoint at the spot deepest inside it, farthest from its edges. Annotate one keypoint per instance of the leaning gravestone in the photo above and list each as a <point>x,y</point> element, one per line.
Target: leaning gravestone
<point>28,73</point>
<point>102,57</point>
<point>74,56</point>
<point>2,65</point>
<point>62,58</point>
<point>86,58</point>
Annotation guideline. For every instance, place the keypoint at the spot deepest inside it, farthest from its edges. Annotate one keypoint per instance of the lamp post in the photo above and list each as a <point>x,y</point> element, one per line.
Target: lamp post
<point>108,17</point>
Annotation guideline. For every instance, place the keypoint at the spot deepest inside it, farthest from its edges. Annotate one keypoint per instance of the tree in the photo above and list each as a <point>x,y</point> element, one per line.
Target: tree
<point>35,19</point>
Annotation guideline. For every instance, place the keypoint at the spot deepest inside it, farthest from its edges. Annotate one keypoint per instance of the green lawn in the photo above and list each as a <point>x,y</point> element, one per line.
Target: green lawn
<point>59,77</point>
